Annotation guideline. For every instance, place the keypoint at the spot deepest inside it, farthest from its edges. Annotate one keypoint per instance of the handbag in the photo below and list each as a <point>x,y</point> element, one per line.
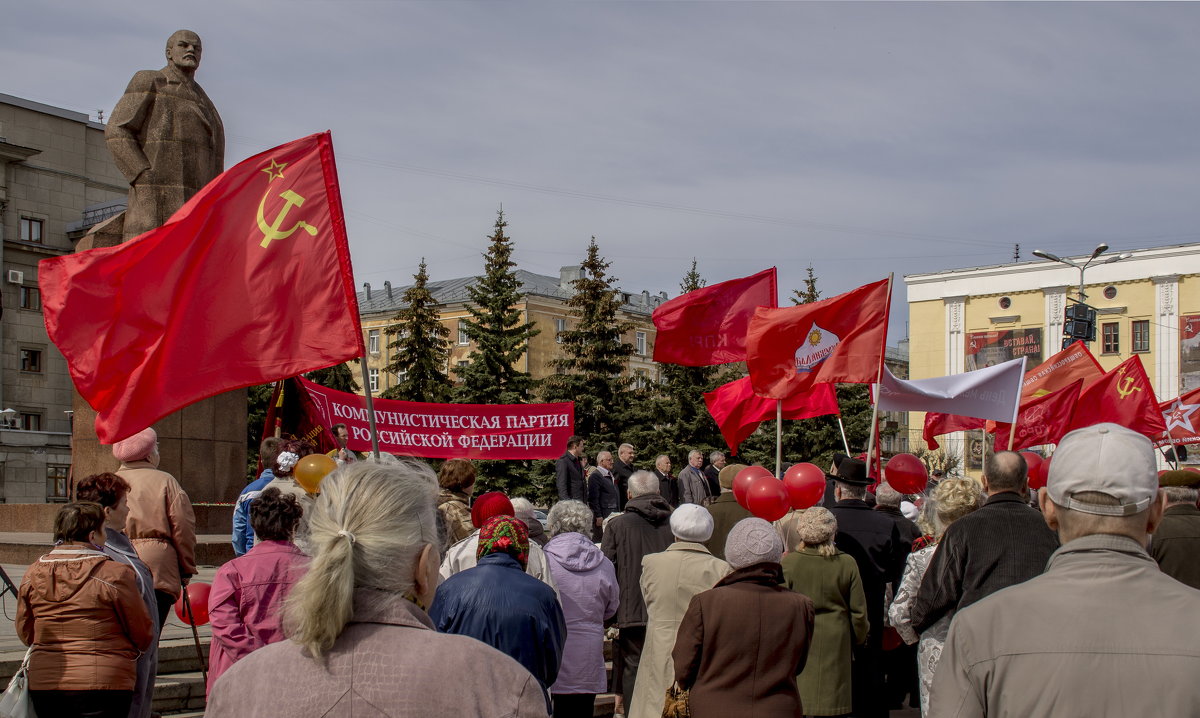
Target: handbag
<point>676,703</point>
<point>16,702</point>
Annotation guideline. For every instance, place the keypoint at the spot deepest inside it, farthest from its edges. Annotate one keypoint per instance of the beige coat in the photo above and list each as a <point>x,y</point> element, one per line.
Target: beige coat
<point>669,580</point>
<point>388,662</point>
<point>161,524</point>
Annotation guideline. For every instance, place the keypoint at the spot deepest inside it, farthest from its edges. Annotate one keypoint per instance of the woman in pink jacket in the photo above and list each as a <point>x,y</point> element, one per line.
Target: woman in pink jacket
<point>246,603</point>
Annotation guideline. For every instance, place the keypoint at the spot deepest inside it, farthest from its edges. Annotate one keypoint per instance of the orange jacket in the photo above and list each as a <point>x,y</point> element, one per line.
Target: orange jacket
<point>85,618</point>
<point>161,524</point>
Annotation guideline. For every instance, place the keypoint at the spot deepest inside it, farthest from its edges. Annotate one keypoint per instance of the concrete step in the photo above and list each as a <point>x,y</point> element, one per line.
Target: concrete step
<point>26,547</point>
<point>179,692</point>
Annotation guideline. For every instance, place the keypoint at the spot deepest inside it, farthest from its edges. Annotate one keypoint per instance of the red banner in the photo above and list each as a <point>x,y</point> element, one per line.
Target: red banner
<point>446,431</point>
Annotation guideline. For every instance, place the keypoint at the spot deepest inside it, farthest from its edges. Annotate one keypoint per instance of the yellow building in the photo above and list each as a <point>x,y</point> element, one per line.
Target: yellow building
<point>1147,304</point>
<point>544,303</point>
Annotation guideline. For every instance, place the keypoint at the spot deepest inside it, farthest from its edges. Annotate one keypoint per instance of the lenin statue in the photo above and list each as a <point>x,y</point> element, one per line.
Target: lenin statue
<point>167,139</point>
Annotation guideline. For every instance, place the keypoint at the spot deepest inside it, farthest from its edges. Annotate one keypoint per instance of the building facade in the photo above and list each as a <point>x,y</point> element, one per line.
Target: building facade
<point>56,179</point>
<point>1147,304</point>
<point>544,302</point>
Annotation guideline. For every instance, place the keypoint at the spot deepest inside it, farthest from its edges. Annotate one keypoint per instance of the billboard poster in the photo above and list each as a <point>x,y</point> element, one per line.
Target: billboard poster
<point>986,349</point>
<point>1189,353</point>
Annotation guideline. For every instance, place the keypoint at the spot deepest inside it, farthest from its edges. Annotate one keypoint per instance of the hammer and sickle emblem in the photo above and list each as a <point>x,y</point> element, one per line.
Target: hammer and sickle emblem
<point>1125,387</point>
<point>272,231</point>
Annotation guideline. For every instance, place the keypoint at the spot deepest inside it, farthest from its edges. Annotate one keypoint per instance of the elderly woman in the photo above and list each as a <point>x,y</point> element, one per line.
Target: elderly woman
<point>359,641</point>
<point>84,616</point>
<point>245,606</point>
<point>112,493</point>
<point>161,524</point>
<point>587,587</point>
<point>951,500</point>
<point>457,481</point>
<point>830,578</point>
<point>501,605</point>
<point>669,580</point>
<point>742,643</point>
<point>523,509</point>
<point>465,553</point>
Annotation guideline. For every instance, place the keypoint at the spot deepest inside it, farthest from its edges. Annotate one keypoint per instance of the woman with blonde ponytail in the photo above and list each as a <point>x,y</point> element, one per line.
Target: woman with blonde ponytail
<point>359,639</point>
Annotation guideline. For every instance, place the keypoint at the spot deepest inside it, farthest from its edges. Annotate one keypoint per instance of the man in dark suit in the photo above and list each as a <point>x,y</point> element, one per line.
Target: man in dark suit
<point>568,472</point>
<point>602,492</point>
<point>712,472</point>
<point>668,484</point>
<point>623,468</point>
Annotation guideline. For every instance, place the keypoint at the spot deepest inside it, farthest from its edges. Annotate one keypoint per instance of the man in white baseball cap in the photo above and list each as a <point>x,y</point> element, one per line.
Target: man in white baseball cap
<point>1102,631</point>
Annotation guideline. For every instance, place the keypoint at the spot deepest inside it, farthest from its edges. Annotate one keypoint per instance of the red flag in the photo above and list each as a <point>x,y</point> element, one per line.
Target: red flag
<point>293,410</point>
<point>249,282</point>
<point>708,325</point>
<point>937,424</point>
<point>1060,371</point>
<point>738,410</point>
<point>1043,420</point>
<point>1182,417</point>
<point>1122,396</point>
<point>840,339</point>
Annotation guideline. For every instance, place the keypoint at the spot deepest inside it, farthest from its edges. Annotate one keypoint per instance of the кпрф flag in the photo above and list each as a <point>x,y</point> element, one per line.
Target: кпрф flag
<point>993,392</point>
<point>840,339</point>
<point>249,282</point>
<point>707,326</point>
<point>1041,420</point>
<point>1122,396</point>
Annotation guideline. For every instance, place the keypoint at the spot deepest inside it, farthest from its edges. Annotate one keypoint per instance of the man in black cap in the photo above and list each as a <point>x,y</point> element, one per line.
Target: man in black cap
<point>873,540</point>
<point>1176,543</point>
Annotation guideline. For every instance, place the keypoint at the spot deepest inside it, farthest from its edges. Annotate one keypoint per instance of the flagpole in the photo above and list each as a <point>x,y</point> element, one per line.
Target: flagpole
<point>842,428</point>
<point>879,380</point>
<point>362,363</point>
<point>779,438</point>
<point>279,409</point>
<point>1012,429</point>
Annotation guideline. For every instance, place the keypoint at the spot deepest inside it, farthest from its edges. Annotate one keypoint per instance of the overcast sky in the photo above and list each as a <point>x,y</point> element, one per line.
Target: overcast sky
<point>863,138</point>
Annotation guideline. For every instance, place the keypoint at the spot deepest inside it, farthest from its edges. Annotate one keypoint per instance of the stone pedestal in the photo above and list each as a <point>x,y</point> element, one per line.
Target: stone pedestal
<point>203,446</point>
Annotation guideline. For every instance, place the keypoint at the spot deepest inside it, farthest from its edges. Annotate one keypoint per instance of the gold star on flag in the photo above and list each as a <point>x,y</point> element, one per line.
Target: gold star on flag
<point>275,170</point>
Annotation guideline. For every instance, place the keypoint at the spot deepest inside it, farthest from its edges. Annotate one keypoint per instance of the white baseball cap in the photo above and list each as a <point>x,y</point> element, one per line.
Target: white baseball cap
<point>1108,459</point>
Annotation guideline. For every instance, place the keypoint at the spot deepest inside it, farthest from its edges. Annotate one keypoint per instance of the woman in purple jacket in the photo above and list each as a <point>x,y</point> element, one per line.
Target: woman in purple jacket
<point>246,603</point>
<point>587,589</point>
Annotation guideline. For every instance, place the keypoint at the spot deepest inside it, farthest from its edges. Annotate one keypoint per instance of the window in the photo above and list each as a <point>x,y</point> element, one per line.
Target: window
<point>374,376</point>
<point>640,341</point>
<point>31,298</point>
<point>31,360</point>
<point>31,230</point>
<point>463,339</point>
<point>56,483</point>
<point>560,326</point>
<point>1112,338</point>
<point>1141,335</point>
<point>30,421</point>
<point>373,341</point>
<point>639,378</point>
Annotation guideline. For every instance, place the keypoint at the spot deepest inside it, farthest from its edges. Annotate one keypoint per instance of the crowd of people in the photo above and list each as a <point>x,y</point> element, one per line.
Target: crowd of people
<point>397,591</point>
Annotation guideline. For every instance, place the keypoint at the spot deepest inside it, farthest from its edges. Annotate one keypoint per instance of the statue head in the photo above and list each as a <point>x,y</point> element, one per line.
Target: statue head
<point>183,51</point>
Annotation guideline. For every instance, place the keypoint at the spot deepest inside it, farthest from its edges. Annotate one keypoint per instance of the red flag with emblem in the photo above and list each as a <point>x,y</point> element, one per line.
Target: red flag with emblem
<point>1122,396</point>
<point>738,410</point>
<point>1043,420</point>
<point>249,282</point>
<point>1182,417</point>
<point>840,339</point>
<point>1061,370</point>
<point>708,325</point>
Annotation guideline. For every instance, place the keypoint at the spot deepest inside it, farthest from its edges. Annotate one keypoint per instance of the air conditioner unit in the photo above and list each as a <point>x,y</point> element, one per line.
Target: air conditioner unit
<point>16,276</point>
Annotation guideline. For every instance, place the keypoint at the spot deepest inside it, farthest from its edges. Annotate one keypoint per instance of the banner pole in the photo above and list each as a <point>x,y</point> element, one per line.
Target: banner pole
<point>878,381</point>
<point>362,363</point>
<point>279,408</point>
<point>779,438</point>
<point>842,428</point>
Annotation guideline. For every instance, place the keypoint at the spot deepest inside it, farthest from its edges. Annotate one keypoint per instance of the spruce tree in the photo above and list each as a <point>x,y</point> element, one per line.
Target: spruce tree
<point>421,346</point>
<point>339,377</point>
<point>592,369</point>
<point>810,293</point>
<point>501,337</point>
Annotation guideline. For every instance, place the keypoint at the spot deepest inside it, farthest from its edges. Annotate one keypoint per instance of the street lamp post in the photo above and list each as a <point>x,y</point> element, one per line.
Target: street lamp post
<point>1100,249</point>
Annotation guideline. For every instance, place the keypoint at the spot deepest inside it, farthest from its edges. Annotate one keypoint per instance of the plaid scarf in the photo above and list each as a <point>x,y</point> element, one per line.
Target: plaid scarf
<point>504,534</point>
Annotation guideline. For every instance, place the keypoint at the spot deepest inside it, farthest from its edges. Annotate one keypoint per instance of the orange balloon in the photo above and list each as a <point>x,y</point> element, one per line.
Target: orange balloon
<point>313,469</point>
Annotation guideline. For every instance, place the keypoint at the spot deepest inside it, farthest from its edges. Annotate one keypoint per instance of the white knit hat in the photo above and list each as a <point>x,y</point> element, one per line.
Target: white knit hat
<point>692,522</point>
<point>752,541</point>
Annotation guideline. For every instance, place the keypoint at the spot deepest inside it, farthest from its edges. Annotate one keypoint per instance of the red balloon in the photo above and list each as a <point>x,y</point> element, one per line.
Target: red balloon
<point>1192,468</point>
<point>744,478</point>
<point>1034,464</point>
<point>805,484</point>
<point>767,498</point>
<point>906,474</point>
<point>1161,472</point>
<point>1037,479</point>
<point>197,592</point>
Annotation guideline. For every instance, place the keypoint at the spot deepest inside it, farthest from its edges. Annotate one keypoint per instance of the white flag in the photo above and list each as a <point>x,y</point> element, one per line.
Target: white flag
<point>993,392</point>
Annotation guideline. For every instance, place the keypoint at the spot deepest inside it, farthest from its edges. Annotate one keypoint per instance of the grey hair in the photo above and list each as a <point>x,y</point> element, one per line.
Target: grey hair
<point>603,455</point>
<point>852,491</point>
<point>1181,494</point>
<point>885,495</point>
<point>385,459</point>
<point>694,453</point>
<point>522,508</point>
<point>715,456</point>
<point>623,447</point>
<point>642,482</point>
<point>367,529</point>
<point>570,516</point>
